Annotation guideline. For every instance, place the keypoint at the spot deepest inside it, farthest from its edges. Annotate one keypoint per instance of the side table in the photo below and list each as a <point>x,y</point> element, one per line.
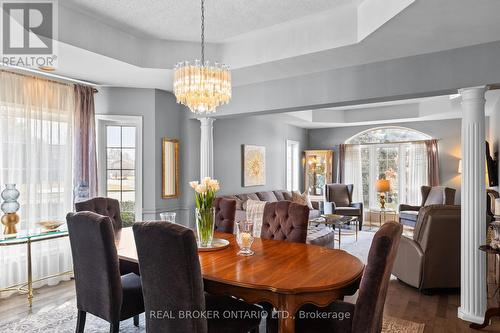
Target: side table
<point>28,238</point>
<point>491,312</point>
<point>382,213</point>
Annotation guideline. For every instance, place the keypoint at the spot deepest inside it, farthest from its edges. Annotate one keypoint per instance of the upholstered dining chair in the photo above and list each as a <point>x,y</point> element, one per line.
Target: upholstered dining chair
<point>366,315</point>
<point>111,208</point>
<point>103,206</point>
<point>100,289</point>
<point>285,220</point>
<point>172,281</point>
<point>225,211</point>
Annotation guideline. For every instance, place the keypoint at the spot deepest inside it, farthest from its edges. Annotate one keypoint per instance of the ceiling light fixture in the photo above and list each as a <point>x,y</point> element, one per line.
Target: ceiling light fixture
<point>200,86</point>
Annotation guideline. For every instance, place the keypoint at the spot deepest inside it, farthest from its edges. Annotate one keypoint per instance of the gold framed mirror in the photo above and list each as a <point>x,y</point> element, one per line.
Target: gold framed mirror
<point>170,168</point>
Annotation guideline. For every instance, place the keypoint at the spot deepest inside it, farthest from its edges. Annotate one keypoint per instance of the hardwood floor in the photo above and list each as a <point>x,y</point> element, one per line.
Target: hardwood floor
<point>438,312</point>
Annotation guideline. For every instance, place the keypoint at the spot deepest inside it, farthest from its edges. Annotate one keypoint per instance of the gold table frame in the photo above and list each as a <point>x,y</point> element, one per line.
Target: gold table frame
<point>28,239</point>
<point>335,222</point>
<point>381,212</point>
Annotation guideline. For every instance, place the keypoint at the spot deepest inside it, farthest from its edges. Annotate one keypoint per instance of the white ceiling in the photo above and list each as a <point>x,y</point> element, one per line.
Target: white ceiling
<point>180,19</point>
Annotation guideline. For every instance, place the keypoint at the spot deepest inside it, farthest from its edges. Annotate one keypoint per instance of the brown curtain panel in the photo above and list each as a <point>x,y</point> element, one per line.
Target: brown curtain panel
<point>432,162</point>
<point>341,166</point>
<point>85,160</point>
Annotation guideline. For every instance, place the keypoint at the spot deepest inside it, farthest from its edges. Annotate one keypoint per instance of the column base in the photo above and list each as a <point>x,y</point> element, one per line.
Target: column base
<point>470,317</point>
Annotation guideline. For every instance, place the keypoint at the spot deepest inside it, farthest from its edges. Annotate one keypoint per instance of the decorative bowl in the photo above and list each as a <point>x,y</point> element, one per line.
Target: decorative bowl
<point>50,225</point>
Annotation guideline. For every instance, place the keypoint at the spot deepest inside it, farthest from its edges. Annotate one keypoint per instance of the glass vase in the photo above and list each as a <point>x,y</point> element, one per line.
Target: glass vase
<point>245,238</point>
<point>10,195</point>
<point>205,221</point>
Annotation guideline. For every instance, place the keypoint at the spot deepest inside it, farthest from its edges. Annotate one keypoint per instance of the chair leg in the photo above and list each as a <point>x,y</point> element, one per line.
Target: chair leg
<point>80,322</point>
<point>114,327</point>
<point>136,321</point>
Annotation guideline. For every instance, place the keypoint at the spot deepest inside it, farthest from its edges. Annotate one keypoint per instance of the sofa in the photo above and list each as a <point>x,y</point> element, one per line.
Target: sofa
<point>339,201</point>
<point>431,258</point>
<point>436,195</point>
<point>269,196</point>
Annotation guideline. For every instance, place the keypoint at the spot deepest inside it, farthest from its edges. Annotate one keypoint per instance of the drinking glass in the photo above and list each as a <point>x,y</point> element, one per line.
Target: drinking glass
<point>168,216</point>
<point>244,238</point>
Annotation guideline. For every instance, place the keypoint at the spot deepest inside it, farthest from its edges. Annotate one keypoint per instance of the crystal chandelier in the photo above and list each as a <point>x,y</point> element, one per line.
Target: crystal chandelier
<point>200,86</point>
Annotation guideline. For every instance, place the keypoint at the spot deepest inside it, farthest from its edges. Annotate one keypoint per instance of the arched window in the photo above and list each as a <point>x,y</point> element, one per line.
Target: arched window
<point>387,135</point>
<point>397,154</point>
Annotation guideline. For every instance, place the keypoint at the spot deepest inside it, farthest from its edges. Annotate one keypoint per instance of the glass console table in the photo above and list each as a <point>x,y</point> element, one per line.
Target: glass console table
<point>383,215</point>
<point>29,237</point>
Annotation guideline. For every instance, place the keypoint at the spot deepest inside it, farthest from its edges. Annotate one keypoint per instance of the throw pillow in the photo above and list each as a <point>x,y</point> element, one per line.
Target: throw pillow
<point>302,199</point>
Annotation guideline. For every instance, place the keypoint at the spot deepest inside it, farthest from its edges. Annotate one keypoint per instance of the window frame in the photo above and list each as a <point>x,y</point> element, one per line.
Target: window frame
<point>102,121</point>
<point>373,166</point>
<point>295,163</point>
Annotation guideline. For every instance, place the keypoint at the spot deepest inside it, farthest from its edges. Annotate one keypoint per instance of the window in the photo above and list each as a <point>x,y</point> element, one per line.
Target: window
<point>36,154</point>
<point>119,160</point>
<point>292,165</point>
<point>394,153</point>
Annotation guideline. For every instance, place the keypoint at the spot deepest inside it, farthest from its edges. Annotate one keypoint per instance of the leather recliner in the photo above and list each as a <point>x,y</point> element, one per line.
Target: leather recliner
<point>431,259</point>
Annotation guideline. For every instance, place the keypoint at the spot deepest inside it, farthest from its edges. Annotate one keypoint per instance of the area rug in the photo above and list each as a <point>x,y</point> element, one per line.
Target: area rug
<point>396,325</point>
<point>62,319</point>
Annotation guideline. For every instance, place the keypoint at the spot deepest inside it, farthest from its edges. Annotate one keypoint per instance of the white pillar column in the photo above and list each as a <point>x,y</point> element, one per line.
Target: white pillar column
<point>206,147</point>
<point>473,269</point>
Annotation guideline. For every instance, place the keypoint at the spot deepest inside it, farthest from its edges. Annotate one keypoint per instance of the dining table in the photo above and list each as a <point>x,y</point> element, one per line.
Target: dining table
<point>284,274</point>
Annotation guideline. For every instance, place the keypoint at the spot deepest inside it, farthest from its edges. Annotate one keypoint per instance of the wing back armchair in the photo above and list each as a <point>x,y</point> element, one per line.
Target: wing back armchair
<point>339,201</point>
<point>436,195</point>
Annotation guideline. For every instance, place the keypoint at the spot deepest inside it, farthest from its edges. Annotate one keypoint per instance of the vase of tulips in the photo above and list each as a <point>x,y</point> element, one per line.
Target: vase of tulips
<point>205,211</point>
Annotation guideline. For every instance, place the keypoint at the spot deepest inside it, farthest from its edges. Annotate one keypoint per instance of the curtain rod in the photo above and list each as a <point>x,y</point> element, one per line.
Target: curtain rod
<point>388,143</point>
<point>45,76</point>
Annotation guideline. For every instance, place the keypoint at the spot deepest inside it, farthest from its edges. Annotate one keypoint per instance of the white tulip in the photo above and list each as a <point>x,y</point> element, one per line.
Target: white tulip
<point>193,184</point>
<point>201,188</point>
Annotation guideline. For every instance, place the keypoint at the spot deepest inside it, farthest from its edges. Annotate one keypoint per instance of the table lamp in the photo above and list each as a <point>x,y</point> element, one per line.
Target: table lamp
<point>382,186</point>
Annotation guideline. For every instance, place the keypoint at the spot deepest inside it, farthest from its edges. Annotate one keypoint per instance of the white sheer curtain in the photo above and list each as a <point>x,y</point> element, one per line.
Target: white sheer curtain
<point>36,154</point>
<point>417,174</point>
<point>353,171</point>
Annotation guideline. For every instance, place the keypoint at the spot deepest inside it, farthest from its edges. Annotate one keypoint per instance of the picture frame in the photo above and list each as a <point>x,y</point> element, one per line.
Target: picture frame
<point>253,165</point>
<point>170,168</point>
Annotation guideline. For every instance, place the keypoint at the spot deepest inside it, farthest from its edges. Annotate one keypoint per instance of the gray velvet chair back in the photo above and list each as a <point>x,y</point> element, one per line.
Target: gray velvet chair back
<point>225,212</point>
<point>95,265</point>
<point>375,281</point>
<point>103,206</point>
<point>170,274</point>
<point>441,195</point>
<point>340,194</point>
<point>285,220</point>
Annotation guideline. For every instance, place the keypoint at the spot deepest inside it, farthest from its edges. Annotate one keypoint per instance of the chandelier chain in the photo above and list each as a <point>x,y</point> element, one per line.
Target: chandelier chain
<point>202,32</point>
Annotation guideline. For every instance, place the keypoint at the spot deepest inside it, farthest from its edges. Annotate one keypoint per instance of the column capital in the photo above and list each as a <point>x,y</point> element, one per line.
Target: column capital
<point>473,92</point>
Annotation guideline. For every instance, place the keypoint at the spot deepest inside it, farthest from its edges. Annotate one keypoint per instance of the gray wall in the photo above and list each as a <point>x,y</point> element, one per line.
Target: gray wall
<point>448,131</point>
<point>231,133</point>
<point>162,117</point>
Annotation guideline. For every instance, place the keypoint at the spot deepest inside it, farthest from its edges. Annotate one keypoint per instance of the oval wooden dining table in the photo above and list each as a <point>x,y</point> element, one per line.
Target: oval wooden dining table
<point>287,275</point>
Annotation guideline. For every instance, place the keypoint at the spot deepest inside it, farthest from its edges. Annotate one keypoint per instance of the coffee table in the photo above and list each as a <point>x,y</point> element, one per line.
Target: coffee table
<point>337,222</point>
